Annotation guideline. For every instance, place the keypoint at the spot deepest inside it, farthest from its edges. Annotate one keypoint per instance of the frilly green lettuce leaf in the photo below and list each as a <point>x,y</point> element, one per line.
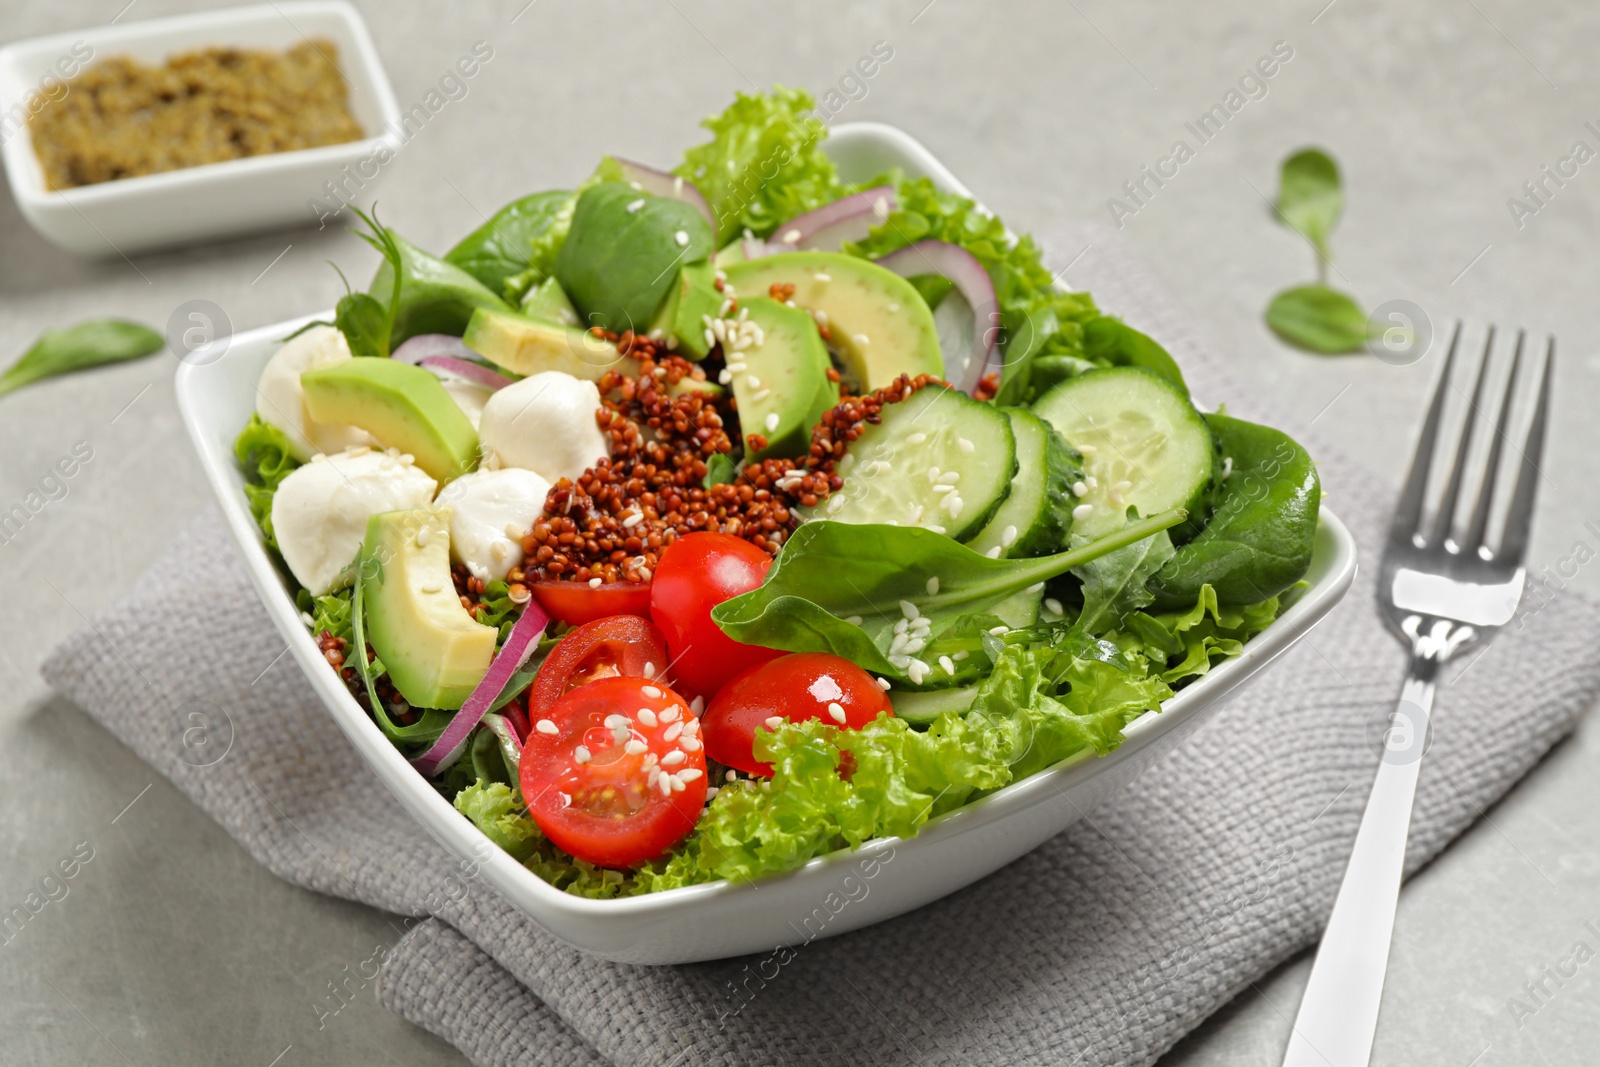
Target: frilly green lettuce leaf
<point>263,452</point>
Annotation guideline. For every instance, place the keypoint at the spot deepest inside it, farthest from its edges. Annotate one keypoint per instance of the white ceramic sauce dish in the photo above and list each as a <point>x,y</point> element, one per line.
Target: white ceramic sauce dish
<point>238,196</point>
<point>721,919</point>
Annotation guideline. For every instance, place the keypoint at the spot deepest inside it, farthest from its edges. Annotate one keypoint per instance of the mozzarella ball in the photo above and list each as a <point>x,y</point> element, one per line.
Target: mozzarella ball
<point>469,396</point>
<point>544,423</point>
<point>320,511</point>
<point>490,510</point>
<point>281,402</point>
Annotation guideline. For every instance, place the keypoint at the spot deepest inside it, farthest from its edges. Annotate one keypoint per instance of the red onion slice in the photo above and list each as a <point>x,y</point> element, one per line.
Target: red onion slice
<point>827,228</point>
<point>466,368</point>
<point>964,365</point>
<point>661,183</point>
<point>508,661</point>
<point>418,348</point>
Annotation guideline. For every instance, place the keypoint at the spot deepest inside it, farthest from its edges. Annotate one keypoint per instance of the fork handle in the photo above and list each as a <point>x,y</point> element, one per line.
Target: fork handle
<point>1339,1010</point>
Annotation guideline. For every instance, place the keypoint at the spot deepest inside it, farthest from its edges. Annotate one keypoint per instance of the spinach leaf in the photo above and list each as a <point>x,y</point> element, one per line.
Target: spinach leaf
<point>1259,540</point>
<point>503,246</point>
<point>1115,343</point>
<point>424,293</point>
<point>1114,584</point>
<point>623,252</point>
<point>1320,319</point>
<point>841,587</point>
<point>365,323</point>
<point>93,343</point>
<point>1309,196</point>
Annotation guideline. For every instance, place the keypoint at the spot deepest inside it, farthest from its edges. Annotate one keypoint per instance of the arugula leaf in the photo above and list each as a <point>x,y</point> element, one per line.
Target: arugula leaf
<point>425,294</point>
<point>267,458</point>
<point>764,163</point>
<point>92,343</point>
<point>830,573</point>
<point>1309,196</point>
<point>1260,537</point>
<point>1114,584</point>
<point>623,252</point>
<point>504,246</point>
<point>1319,319</point>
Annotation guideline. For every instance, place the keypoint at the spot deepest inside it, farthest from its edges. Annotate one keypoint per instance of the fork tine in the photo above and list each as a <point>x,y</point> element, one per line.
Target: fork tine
<point>1408,512</point>
<point>1478,525</point>
<point>1514,541</point>
<point>1452,488</point>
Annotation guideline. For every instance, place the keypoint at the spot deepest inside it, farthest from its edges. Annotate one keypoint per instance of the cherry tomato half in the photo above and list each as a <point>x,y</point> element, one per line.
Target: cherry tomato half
<point>615,772</point>
<point>620,645</point>
<point>575,603</point>
<point>796,687</point>
<point>697,572</point>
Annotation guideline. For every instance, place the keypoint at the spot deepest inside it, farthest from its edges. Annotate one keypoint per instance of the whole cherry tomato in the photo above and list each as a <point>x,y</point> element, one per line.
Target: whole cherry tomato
<point>697,572</point>
<point>794,688</point>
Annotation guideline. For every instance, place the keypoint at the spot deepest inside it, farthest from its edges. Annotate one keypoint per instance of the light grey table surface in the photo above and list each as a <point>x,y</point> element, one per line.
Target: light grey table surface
<point>173,946</point>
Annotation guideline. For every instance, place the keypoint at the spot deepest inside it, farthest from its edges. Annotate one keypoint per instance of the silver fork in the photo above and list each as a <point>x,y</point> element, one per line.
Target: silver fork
<point>1442,594</point>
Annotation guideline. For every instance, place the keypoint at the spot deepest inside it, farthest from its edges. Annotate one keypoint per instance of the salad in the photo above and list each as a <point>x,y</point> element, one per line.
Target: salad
<point>689,525</point>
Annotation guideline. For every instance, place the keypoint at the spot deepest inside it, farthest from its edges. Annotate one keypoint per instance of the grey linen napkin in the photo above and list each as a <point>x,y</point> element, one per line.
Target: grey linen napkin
<point>1103,946</point>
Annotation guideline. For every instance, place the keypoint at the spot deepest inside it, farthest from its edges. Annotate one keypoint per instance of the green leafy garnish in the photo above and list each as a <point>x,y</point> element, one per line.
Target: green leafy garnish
<point>1318,318</point>
<point>764,163</point>
<point>93,343</point>
<point>1114,584</point>
<point>1113,343</point>
<point>720,470</point>
<point>422,293</point>
<point>841,587</point>
<point>265,455</point>
<point>1309,196</point>
<point>503,247</point>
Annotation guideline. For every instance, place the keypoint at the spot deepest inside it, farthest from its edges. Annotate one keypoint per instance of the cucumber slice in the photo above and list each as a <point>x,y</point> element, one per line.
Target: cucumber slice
<point>938,446</point>
<point>922,708</point>
<point>1142,442</point>
<point>1037,513</point>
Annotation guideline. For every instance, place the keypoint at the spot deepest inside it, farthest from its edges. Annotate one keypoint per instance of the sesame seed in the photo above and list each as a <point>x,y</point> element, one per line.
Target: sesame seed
<point>664,783</point>
<point>635,205</point>
<point>673,731</point>
<point>677,783</point>
<point>580,754</point>
<point>959,656</point>
<point>672,759</point>
<point>821,277</point>
<point>936,528</point>
<point>691,726</point>
<point>619,736</point>
<point>711,792</point>
<point>772,421</point>
<point>909,610</point>
<point>1122,487</point>
<point>616,722</point>
<point>1053,606</point>
<point>1087,450</point>
<point>689,774</point>
<point>883,683</point>
<point>855,620</point>
<point>647,717</point>
<point>1008,536</point>
<point>940,487</point>
<point>993,553</point>
<point>649,669</point>
<point>950,477</point>
<point>836,712</point>
<point>697,707</point>
<point>669,715</point>
<point>774,721</point>
<point>635,747</point>
<point>965,445</point>
<point>1079,489</point>
<point>933,475</point>
<point>790,237</point>
<point>999,631</point>
<point>1034,588</point>
<point>933,586</point>
<point>861,339</point>
<point>916,438</point>
<point>422,537</point>
<point>1227,467</point>
<point>915,516</point>
<point>731,776</point>
<point>595,583</point>
<point>1081,512</point>
<point>545,726</point>
<point>948,664</point>
<point>682,237</point>
<point>762,395</point>
<point>1094,483</point>
<point>651,691</point>
<point>690,744</point>
<point>753,382</point>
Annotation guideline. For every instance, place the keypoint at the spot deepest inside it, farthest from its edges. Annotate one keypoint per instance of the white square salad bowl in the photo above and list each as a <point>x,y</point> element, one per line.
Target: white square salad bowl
<point>721,919</point>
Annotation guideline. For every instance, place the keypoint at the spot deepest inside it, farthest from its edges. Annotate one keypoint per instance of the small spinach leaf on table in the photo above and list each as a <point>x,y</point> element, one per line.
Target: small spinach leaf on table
<point>1310,199</point>
<point>93,343</point>
<point>1318,318</point>
<point>1262,531</point>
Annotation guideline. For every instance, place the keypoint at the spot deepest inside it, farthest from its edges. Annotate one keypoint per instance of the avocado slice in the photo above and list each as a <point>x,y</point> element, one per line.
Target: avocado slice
<point>548,302</point>
<point>402,405</point>
<point>683,315</point>
<point>527,346</point>
<point>435,652</point>
<point>877,323</point>
<point>781,385</point>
